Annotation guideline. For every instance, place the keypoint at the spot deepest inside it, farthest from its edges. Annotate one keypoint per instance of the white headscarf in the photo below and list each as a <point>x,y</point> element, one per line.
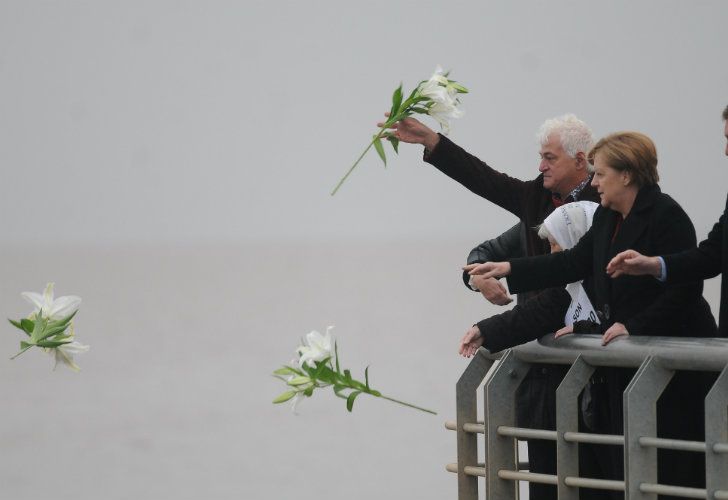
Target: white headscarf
<point>566,225</point>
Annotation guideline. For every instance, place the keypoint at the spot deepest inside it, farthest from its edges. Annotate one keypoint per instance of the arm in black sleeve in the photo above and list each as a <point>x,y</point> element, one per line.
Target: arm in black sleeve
<point>556,269</point>
<point>673,231</point>
<point>506,246</point>
<point>497,187</point>
<point>539,316</point>
<point>703,262</point>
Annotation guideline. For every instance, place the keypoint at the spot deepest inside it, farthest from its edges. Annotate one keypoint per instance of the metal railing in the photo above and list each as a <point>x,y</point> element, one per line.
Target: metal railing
<point>656,359</point>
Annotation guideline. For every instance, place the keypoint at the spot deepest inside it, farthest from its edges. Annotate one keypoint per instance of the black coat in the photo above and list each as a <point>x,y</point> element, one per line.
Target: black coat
<point>705,261</point>
<point>536,317</point>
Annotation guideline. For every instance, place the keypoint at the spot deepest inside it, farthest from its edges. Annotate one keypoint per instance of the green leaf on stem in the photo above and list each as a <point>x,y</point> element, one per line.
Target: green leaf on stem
<point>396,101</point>
<point>27,325</point>
<point>38,328</point>
<point>50,332</point>
<point>460,89</point>
<point>350,400</point>
<point>53,343</point>
<point>62,321</point>
<point>338,389</point>
<point>395,144</point>
<point>380,149</point>
<point>284,397</point>
<point>336,353</point>
<point>308,391</point>
<point>347,376</point>
<point>366,377</point>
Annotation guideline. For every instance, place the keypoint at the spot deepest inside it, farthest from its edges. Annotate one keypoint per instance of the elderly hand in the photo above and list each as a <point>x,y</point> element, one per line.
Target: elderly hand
<point>493,290</point>
<point>564,331</point>
<point>470,343</point>
<point>489,269</point>
<point>413,131</point>
<point>634,263</point>
<point>614,331</point>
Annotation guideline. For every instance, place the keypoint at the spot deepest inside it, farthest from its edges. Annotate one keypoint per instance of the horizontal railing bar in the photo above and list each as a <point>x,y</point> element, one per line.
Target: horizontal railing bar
<point>672,444</point>
<point>583,437</point>
<point>676,353</point>
<point>677,491</point>
<point>521,432</point>
<point>720,494</point>
<point>469,470</point>
<point>720,448</point>
<point>531,477</point>
<point>597,484</point>
<point>473,428</point>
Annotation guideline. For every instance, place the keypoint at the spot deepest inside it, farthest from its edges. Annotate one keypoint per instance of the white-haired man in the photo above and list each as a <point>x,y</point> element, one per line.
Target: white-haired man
<point>564,176</point>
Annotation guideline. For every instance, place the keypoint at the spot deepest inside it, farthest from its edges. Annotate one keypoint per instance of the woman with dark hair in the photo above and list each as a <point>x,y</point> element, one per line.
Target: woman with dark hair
<point>634,214</point>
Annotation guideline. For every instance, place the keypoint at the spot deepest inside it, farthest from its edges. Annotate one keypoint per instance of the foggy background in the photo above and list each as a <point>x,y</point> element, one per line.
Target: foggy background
<point>171,162</point>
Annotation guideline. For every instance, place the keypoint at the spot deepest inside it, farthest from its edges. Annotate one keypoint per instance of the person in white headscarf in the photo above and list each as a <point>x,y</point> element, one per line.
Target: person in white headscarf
<point>551,309</point>
<point>565,227</point>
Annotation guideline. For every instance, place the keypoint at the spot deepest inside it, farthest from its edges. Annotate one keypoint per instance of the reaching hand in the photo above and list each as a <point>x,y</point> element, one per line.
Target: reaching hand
<point>489,269</point>
<point>634,263</point>
<point>471,342</point>
<point>413,131</point>
<point>493,290</point>
<point>614,331</point>
<point>564,331</point>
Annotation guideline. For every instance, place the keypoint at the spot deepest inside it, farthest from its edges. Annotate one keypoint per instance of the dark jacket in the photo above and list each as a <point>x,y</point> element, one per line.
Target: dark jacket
<point>508,245</point>
<point>705,261</point>
<point>539,316</point>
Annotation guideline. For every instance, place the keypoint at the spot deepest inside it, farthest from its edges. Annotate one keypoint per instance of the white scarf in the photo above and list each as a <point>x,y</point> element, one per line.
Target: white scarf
<point>567,224</point>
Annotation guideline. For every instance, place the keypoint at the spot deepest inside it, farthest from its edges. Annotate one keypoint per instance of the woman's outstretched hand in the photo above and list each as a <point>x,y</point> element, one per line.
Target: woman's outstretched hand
<point>489,269</point>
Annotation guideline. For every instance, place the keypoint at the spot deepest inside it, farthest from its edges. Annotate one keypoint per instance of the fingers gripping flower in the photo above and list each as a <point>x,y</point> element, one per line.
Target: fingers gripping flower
<point>318,367</point>
<point>50,326</point>
<point>437,97</point>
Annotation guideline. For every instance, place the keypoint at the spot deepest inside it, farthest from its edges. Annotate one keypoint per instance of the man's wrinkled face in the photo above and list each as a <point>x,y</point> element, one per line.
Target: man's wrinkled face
<point>558,168</point>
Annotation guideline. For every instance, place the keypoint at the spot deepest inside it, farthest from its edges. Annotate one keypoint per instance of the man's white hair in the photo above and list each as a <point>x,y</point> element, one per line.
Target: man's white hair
<point>574,134</point>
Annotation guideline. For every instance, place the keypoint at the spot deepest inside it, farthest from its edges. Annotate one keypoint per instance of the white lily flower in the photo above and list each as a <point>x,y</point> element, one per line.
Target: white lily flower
<point>64,354</point>
<point>319,348</point>
<point>444,99</point>
<point>52,308</point>
<point>443,113</point>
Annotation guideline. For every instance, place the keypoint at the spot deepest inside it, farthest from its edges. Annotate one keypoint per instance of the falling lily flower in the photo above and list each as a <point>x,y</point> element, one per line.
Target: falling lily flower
<point>50,326</point>
<point>318,367</point>
<point>52,308</point>
<point>437,97</point>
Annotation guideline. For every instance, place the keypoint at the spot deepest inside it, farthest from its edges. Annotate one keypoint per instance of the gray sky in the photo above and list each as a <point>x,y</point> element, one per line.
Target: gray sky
<point>209,122</point>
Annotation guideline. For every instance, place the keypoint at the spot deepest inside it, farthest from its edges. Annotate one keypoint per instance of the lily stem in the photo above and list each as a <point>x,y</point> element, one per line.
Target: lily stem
<point>22,351</point>
<point>407,404</point>
<point>376,138</point>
